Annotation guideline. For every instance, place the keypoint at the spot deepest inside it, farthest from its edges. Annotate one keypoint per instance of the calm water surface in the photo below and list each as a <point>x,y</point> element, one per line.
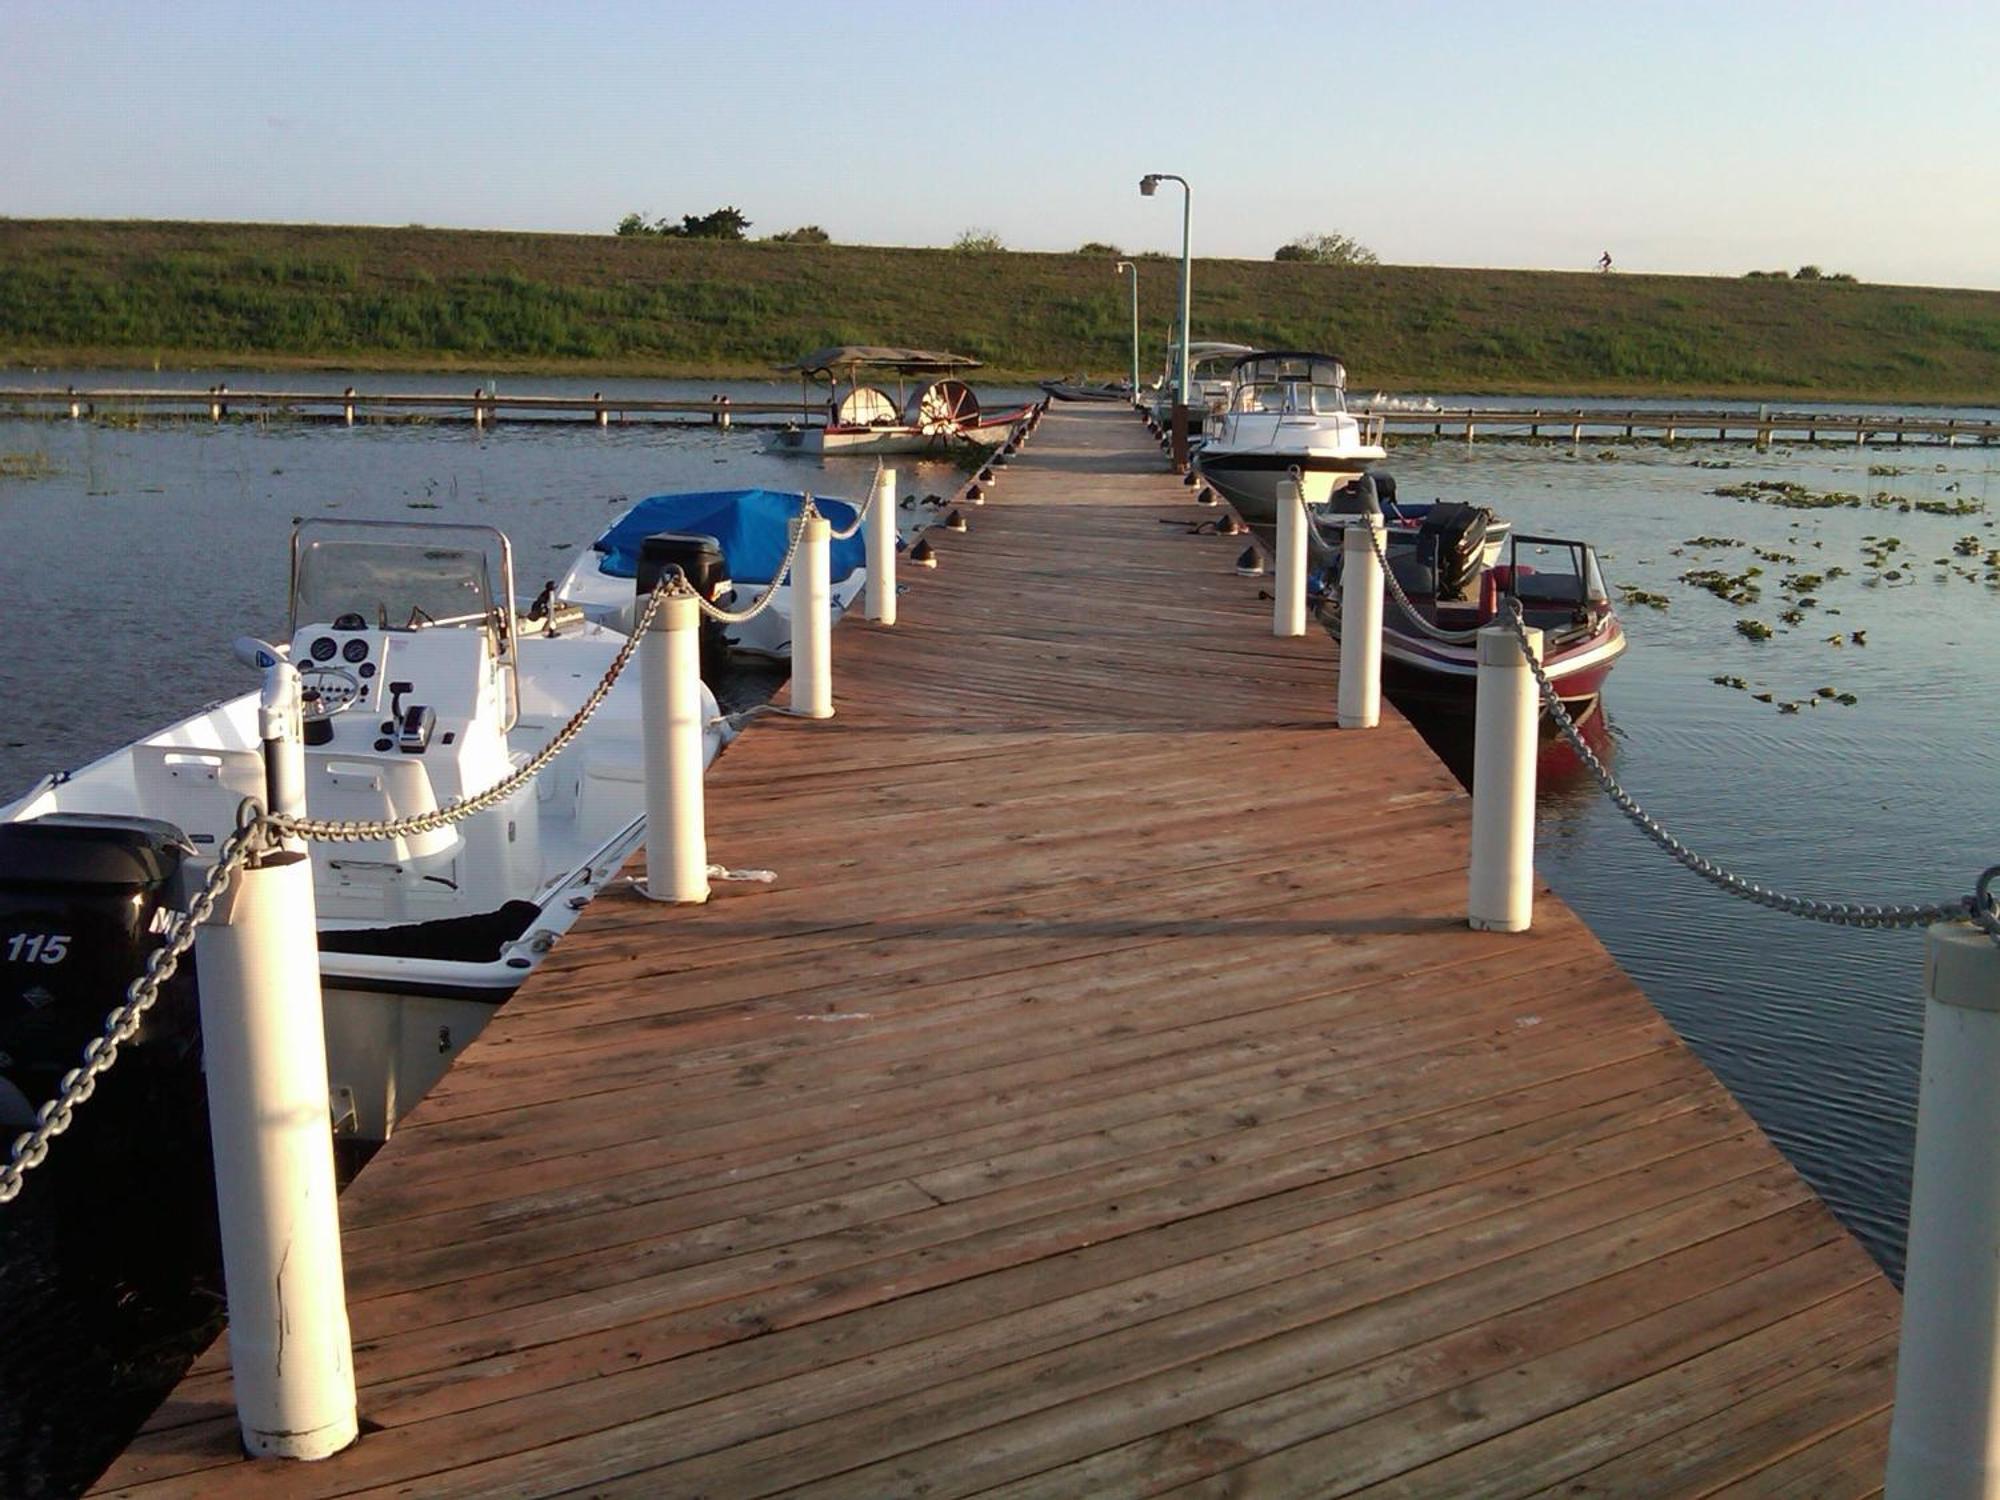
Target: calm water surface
<point>129,565</point>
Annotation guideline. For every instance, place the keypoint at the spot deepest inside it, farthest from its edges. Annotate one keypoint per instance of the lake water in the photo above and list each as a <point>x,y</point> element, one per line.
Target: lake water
<point>130,562</point>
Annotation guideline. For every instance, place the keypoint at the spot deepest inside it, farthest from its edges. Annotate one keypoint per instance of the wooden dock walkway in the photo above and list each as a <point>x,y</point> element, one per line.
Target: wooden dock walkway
<point>1108,1099</point>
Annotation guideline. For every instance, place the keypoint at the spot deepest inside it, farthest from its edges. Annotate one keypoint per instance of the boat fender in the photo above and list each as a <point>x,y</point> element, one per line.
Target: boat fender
<point>1251,563</point>
<point>936,501</point>
<point>909,502</point>
<point>923,554</point>
<point>955,521</point>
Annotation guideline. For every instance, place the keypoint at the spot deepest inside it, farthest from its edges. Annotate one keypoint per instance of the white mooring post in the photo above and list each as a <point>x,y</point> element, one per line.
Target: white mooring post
<point>670,707</point>
<point>1360,704</point>
<point>1288,582</point>
<point>812,622</point>
<point>1504,721</point>
<point>1944,1440</point>
<point>880,599</point>
<point>264,1040</point>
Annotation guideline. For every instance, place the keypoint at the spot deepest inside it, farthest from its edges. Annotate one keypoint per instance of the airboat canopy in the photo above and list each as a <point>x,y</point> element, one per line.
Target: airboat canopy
<point>846,358</point>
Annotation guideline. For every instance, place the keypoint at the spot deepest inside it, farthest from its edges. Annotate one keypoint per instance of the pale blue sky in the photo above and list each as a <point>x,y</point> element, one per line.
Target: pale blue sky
<point>1688,137</point>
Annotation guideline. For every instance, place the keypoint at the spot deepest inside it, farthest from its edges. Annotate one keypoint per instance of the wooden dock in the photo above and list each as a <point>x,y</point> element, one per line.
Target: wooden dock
<point>481,408</point>
<point>1108,1099</point>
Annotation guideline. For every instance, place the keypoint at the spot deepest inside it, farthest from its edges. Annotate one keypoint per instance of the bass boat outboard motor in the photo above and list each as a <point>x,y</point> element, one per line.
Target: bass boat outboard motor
<point>1452,538</point>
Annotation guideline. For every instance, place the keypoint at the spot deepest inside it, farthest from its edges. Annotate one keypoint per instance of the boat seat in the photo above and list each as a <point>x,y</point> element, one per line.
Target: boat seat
<point>371,789</point>
<point>197,788</point>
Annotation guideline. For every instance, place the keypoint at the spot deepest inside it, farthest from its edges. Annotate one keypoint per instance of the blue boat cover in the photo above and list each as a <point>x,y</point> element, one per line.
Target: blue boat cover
<point>750,525</point>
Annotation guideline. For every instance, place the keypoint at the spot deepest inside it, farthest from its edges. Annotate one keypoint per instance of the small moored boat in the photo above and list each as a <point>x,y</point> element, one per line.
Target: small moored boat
<point>1444,571</point>
<point>748,532</point>
<point>423,686</point>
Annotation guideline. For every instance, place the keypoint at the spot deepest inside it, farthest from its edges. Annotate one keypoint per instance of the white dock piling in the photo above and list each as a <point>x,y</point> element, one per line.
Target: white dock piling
<point>1288,580</point>
<point>880,601</point>
<point>1502,896</point>
<point>1360,703</point>
<point>812,623</point>
<point>1944,1440</point>
<point>264,1040</point>
<point>671,709</point>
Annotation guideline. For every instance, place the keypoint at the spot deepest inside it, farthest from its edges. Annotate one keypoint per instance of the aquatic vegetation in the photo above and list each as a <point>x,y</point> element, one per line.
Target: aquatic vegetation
<point>1755,630</point>
<point>1803,583</point>
<point>1884,471</point>
<point>1713,541</point>
<point>1787,494</point>
<point>1629,593</point>
<point>1770,555</point>
<point>1959,507</point>
<point>1731,682</point>
<point>1734,588</point>
<point>26,465</point>
<point>1793,616</point>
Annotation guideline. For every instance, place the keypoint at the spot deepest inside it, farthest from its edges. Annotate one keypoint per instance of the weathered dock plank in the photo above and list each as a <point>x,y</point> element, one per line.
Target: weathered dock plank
<point>1108,1099</point>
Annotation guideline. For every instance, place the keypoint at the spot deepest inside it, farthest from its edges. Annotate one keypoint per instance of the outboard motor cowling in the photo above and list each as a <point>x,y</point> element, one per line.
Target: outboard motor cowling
<point>1453,535</point>
<point>84,901</point>
<point>702,563</point>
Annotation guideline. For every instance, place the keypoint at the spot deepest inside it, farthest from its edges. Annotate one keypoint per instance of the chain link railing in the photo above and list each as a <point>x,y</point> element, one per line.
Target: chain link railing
<point>1976,908</point>
<point>860,517</point>
<point>31,1148</point>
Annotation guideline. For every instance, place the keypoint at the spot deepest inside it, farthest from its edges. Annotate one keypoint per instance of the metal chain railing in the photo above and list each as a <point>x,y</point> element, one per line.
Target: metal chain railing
<point>672,582</point>
<point>860,518</point>
<point>31,1147</point>
<point>1976,908</point>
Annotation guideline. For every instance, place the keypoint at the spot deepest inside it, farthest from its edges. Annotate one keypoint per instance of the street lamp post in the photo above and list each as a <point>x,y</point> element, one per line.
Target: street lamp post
<point>1148,185</point>
<point>1126,265</point>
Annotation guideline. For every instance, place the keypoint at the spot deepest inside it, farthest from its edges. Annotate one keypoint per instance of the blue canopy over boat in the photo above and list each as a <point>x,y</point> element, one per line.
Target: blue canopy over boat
<point>751,526</point>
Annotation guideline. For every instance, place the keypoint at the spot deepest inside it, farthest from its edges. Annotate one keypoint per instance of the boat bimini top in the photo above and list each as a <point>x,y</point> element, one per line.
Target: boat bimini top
<point>1287,380</point>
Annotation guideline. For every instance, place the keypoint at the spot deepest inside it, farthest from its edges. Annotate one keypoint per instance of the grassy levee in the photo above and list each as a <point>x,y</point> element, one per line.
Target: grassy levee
<point>288,296</point>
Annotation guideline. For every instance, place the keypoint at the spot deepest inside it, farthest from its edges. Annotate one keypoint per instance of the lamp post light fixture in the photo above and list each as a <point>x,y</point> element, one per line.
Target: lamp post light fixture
<point>1149,185</point>
<point>1126,265</point>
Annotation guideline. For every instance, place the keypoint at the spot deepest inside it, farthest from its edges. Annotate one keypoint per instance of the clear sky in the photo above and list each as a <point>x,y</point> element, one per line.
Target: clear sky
<point>1691,137</point>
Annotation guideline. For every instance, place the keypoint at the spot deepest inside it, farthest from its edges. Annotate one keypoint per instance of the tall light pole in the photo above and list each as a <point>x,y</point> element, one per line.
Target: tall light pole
<point>1148,185</point>
<point>1126,265</point>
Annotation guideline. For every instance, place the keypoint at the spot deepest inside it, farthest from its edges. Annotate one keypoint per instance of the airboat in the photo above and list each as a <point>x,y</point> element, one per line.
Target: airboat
<point>933,411</point>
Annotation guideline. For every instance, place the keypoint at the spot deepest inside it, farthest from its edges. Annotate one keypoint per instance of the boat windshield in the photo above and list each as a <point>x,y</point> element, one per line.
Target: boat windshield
<point>1293,397</point>
<point>1547,570</point>
<point>396,577</point>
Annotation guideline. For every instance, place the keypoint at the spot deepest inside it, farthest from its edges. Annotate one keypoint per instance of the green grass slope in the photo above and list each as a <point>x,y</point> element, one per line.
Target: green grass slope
<point>84,292</point>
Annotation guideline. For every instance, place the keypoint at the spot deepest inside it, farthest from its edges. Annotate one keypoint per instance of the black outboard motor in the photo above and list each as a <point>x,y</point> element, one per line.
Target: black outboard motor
<point>1453,536</point>
<point>701,562</point>
<point>83,901</point>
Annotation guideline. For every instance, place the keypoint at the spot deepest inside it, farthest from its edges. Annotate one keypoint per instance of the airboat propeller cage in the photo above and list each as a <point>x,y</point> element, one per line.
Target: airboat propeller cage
<point>945,405</point>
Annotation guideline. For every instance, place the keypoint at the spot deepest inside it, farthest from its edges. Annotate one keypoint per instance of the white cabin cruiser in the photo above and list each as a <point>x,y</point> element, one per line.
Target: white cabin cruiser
<point>422,686</point>
<point>1286,414</point>
<point>1209,364</point>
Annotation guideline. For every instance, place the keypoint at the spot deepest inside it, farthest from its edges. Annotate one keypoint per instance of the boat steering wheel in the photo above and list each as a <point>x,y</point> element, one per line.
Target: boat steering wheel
<point>327,691</point>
